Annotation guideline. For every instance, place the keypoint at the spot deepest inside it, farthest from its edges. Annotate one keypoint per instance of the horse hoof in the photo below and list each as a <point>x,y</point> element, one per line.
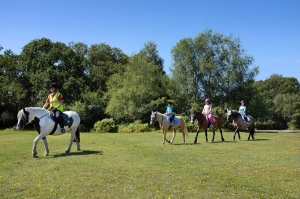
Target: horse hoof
<point>67,152</point>
<point>78,149</point>
<point>46,154</point>
<point>34,154</point>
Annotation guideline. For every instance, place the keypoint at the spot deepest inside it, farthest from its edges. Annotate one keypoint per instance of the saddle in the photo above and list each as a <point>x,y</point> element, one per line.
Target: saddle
<point>208,122</point>
<point>68,121</point>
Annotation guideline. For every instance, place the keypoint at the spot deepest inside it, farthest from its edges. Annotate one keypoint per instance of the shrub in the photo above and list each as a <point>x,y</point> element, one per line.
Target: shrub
<point>105,125</point>
<point>136,127</point>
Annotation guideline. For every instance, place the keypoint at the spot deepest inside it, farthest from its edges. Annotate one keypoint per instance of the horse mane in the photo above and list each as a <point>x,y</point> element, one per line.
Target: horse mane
<point>235,113</point>
<point>200,119</point>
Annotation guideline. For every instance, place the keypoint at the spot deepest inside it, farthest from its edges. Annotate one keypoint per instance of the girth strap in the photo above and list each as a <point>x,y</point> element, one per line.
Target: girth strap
<point>54,128</point>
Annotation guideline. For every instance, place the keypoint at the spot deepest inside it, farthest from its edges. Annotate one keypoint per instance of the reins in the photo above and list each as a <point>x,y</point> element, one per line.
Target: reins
<point>33,120</point>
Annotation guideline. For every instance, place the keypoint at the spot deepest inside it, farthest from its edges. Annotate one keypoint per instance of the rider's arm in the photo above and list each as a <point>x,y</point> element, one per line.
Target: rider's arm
<point>45,105</point>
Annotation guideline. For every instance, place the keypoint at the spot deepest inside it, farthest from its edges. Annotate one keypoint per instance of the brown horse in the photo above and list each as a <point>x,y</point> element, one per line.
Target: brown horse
<point>165,126</point>
<point>239,123</point>
<point>202,123</point>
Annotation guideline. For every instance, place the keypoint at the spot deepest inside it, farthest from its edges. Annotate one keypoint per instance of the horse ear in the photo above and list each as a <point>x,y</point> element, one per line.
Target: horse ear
<point>23,109</point>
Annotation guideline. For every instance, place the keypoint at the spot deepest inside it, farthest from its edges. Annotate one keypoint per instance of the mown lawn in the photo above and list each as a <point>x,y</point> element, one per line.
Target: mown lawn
<point>138,166</point>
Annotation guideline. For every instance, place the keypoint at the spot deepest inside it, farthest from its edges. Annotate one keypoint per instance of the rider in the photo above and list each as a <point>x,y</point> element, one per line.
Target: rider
<point>242,111</point>
<point>207,111</point>
<point>55,101</point>
<point>170,113</point>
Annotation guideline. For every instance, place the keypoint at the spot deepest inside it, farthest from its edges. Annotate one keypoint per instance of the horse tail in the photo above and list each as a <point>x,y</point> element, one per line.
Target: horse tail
<point>77,134</point>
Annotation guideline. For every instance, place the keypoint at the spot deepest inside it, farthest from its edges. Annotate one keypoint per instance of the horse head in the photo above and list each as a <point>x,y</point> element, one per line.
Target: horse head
<point>23,118</point>
<point>153,118</point>
<point>193,118</point>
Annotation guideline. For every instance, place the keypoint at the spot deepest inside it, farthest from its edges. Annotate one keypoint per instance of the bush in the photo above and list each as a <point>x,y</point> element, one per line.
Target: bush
<point>105,125</point>
<point>136,127</point>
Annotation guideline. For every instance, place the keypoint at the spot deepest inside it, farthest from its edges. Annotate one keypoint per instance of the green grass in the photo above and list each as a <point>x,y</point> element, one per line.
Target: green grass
<point>124,165</point>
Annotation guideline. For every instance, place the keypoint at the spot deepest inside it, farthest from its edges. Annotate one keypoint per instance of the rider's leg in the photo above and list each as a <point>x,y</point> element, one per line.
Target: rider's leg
<point>243,117</point>
<point>60,121</point>
<point>210,120</point>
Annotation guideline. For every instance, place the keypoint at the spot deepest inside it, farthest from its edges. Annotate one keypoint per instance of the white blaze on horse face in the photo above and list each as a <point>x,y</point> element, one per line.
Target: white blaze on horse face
<point>19,116</point>
<point>152,118</point>
<point>229,112</point>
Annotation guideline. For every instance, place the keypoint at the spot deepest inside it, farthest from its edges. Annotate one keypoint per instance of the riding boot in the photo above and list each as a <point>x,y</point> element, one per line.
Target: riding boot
<point>61,124</point>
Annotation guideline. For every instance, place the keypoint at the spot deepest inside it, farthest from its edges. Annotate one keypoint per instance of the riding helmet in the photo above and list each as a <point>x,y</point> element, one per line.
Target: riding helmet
<point>53,85</point>
<point>242,101</point>
<point>207,100</point>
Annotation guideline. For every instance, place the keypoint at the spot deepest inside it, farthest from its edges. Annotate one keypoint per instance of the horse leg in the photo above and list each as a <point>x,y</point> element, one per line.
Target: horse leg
<point>77,135</point>
<point>235,133</point>
<point>238,131</point>
<point>174,134</point>
<point>213,131</point>
<point>46,146</point>
<point>164,136</point>
<point>251,129</point>
<point>195,141</point>
<point>71,142</point>
<point>206,135</point>
<point>221,134</point>
<point>35,141</point>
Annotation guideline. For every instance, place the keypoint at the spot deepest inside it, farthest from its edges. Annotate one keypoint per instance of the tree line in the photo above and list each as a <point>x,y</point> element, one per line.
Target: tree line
<point>100,81</point>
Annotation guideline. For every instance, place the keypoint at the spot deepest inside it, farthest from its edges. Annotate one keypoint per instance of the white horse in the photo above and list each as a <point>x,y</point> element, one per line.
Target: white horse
<point>165,126</point>
<point>45,125</point>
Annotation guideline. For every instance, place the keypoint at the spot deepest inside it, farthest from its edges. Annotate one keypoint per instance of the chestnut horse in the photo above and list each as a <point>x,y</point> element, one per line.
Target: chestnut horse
<point>202,123</point>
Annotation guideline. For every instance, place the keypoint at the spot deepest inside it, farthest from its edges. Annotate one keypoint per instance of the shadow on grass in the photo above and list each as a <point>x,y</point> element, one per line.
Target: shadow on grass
<point>83,152</point>
<point>256,140</point>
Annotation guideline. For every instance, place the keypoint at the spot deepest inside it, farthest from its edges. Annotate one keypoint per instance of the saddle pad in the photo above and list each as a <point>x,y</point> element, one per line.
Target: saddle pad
<point>248,118</point>
<point>176,120</point>
<point>68,121</point>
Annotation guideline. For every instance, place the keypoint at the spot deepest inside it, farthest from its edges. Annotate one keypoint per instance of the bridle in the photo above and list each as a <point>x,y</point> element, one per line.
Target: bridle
<point>25,119</point>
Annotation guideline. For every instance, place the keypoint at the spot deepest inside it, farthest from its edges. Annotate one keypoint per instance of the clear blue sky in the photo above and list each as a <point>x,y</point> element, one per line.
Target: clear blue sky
<point>269,29</point>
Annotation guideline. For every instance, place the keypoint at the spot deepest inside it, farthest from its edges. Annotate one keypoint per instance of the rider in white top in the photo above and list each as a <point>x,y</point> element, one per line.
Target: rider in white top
<point>207,110</point>
<point>242,111</point>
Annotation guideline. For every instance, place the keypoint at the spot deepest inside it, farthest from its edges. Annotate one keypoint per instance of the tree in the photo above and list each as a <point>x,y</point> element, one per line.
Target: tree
<point>295,121</point>
<point>280,95</point>
<point>10,89</point>
<point>150,51</point>
<point>131,92</point>
<point>103,61</point>
<point>42,62</point>
<point>211,65</point>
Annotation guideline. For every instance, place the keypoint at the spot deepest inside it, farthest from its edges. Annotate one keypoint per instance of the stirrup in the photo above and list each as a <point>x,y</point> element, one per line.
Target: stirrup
<point>62,130</point>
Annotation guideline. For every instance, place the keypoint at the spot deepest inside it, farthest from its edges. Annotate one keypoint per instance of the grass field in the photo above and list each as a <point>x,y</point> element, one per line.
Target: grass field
<point>138,166</point>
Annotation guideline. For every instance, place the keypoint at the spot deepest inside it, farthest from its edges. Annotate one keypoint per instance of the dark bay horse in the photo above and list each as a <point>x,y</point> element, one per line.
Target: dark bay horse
<point>202,123</point>
<point>239,123</point>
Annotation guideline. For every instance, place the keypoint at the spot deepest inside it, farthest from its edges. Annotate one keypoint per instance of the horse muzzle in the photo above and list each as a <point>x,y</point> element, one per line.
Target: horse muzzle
<point>18,127</point>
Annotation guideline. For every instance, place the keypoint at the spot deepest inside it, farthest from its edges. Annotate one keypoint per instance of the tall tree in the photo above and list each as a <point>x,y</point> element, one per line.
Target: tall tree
<point>150,51</point>
<point>211,65</point>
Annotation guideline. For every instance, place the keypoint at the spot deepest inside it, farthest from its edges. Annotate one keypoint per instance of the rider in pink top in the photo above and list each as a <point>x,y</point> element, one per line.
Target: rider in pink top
<point>207,111</point>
